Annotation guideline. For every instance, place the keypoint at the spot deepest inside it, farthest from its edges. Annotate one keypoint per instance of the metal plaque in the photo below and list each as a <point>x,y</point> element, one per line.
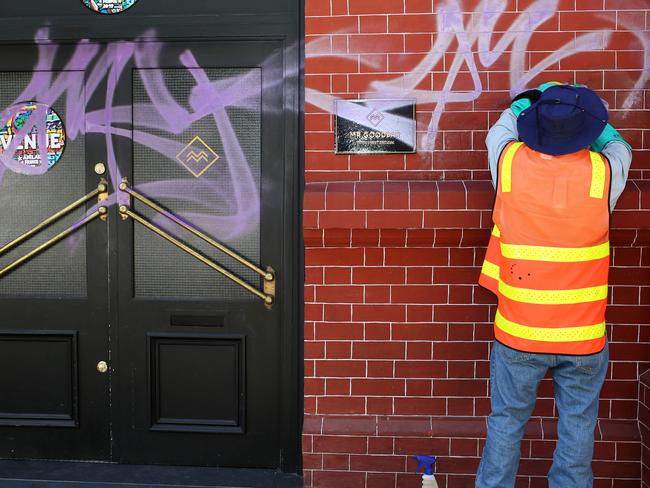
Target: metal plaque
<point>375,126</point>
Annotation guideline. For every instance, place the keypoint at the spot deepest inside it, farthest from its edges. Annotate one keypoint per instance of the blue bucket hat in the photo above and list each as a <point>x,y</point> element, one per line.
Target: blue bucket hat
<point>565,119</point>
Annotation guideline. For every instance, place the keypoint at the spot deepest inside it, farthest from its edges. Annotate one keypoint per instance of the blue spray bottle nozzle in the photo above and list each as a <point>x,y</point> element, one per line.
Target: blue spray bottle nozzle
<point>425,462</point>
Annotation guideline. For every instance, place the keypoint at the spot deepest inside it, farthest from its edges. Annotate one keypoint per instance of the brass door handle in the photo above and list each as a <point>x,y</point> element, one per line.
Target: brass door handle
<point>101,211</point>
<point>268,293</point>
<point>102,367</point>
<point>100,192</point>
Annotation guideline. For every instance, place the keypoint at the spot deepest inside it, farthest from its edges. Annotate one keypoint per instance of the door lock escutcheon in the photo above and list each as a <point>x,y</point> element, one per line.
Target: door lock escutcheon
<point>102,367</point>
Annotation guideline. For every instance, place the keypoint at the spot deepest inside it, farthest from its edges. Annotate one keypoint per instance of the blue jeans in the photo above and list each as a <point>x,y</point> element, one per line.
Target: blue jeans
<point>514,378</point>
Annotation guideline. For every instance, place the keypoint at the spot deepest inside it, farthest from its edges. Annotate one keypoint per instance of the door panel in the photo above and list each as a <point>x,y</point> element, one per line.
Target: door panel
<point>213,182</point>
<point>27,200</point>
<point>194,359</point>
<point>43,387</point>
<point>53,307</point>
<point>201,353</point>
<point>197,383</point>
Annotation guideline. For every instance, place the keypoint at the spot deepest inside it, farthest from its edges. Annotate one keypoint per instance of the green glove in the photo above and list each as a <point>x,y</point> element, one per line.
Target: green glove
<point>549,84</point>
<point>524,100</point>
<point>608,135</point>
<point>519,105</point>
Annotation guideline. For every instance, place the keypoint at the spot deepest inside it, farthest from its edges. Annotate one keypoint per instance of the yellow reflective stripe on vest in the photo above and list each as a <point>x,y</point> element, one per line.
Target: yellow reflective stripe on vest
<point>553,297</point>
<point>555,254</point>
<point>496,232</point>
<point>550,334</point>
<point>490,269</point>
<point>506,167</point>
<point>597,189</point>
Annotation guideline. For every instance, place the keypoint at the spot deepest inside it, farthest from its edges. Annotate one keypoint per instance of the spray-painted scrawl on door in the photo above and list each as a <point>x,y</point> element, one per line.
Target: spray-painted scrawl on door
<point>156,126</point>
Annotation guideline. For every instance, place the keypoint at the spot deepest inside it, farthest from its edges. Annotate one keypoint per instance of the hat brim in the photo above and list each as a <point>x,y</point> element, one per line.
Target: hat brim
<point>592,128</point>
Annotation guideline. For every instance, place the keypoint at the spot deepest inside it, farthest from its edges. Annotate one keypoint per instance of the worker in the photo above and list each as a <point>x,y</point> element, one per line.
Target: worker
<point>558,168</point>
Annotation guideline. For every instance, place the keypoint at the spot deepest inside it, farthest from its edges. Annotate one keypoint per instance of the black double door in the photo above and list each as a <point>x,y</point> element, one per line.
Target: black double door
<point>128,340</point>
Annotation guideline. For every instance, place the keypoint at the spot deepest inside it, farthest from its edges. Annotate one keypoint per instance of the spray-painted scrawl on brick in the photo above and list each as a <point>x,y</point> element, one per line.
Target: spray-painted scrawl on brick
<point>476,39</point>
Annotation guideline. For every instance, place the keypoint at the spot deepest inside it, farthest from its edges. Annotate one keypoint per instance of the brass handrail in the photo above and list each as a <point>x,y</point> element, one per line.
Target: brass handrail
<point>268,276</point>
<point>101,211</point>
<point>268,296</point>
<point>101,188</point>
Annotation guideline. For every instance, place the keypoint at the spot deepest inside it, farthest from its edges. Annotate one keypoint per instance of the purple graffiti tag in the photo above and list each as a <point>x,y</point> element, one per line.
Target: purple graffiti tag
<point>163,114</point>
<point>246,191</point>
<point>480,28</point>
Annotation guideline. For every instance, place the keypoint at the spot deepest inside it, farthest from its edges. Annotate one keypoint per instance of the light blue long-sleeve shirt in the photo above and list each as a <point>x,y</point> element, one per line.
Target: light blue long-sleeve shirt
<point>505,130</point>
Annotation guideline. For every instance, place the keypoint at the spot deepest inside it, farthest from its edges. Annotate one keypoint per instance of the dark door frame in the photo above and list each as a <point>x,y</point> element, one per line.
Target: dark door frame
<point>19,26</point>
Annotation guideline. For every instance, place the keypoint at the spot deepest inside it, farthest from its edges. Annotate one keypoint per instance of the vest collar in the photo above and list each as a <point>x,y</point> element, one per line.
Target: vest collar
<point>565,158</point>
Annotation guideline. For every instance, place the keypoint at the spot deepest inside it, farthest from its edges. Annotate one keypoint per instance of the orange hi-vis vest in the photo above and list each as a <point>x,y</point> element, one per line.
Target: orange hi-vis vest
<point>548,256</point>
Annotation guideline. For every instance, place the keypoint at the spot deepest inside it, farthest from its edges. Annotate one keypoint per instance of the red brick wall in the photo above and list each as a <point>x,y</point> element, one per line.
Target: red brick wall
<point>397,331</point>
<point>644,426</point>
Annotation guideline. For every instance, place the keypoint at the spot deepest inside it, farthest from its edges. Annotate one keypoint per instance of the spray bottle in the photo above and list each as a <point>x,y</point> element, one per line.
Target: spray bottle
<point>427,462</point>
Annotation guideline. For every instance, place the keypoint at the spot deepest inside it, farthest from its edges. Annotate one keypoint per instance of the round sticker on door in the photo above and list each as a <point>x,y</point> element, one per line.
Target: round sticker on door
<point>26,154</point>
<point>109,6</point>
